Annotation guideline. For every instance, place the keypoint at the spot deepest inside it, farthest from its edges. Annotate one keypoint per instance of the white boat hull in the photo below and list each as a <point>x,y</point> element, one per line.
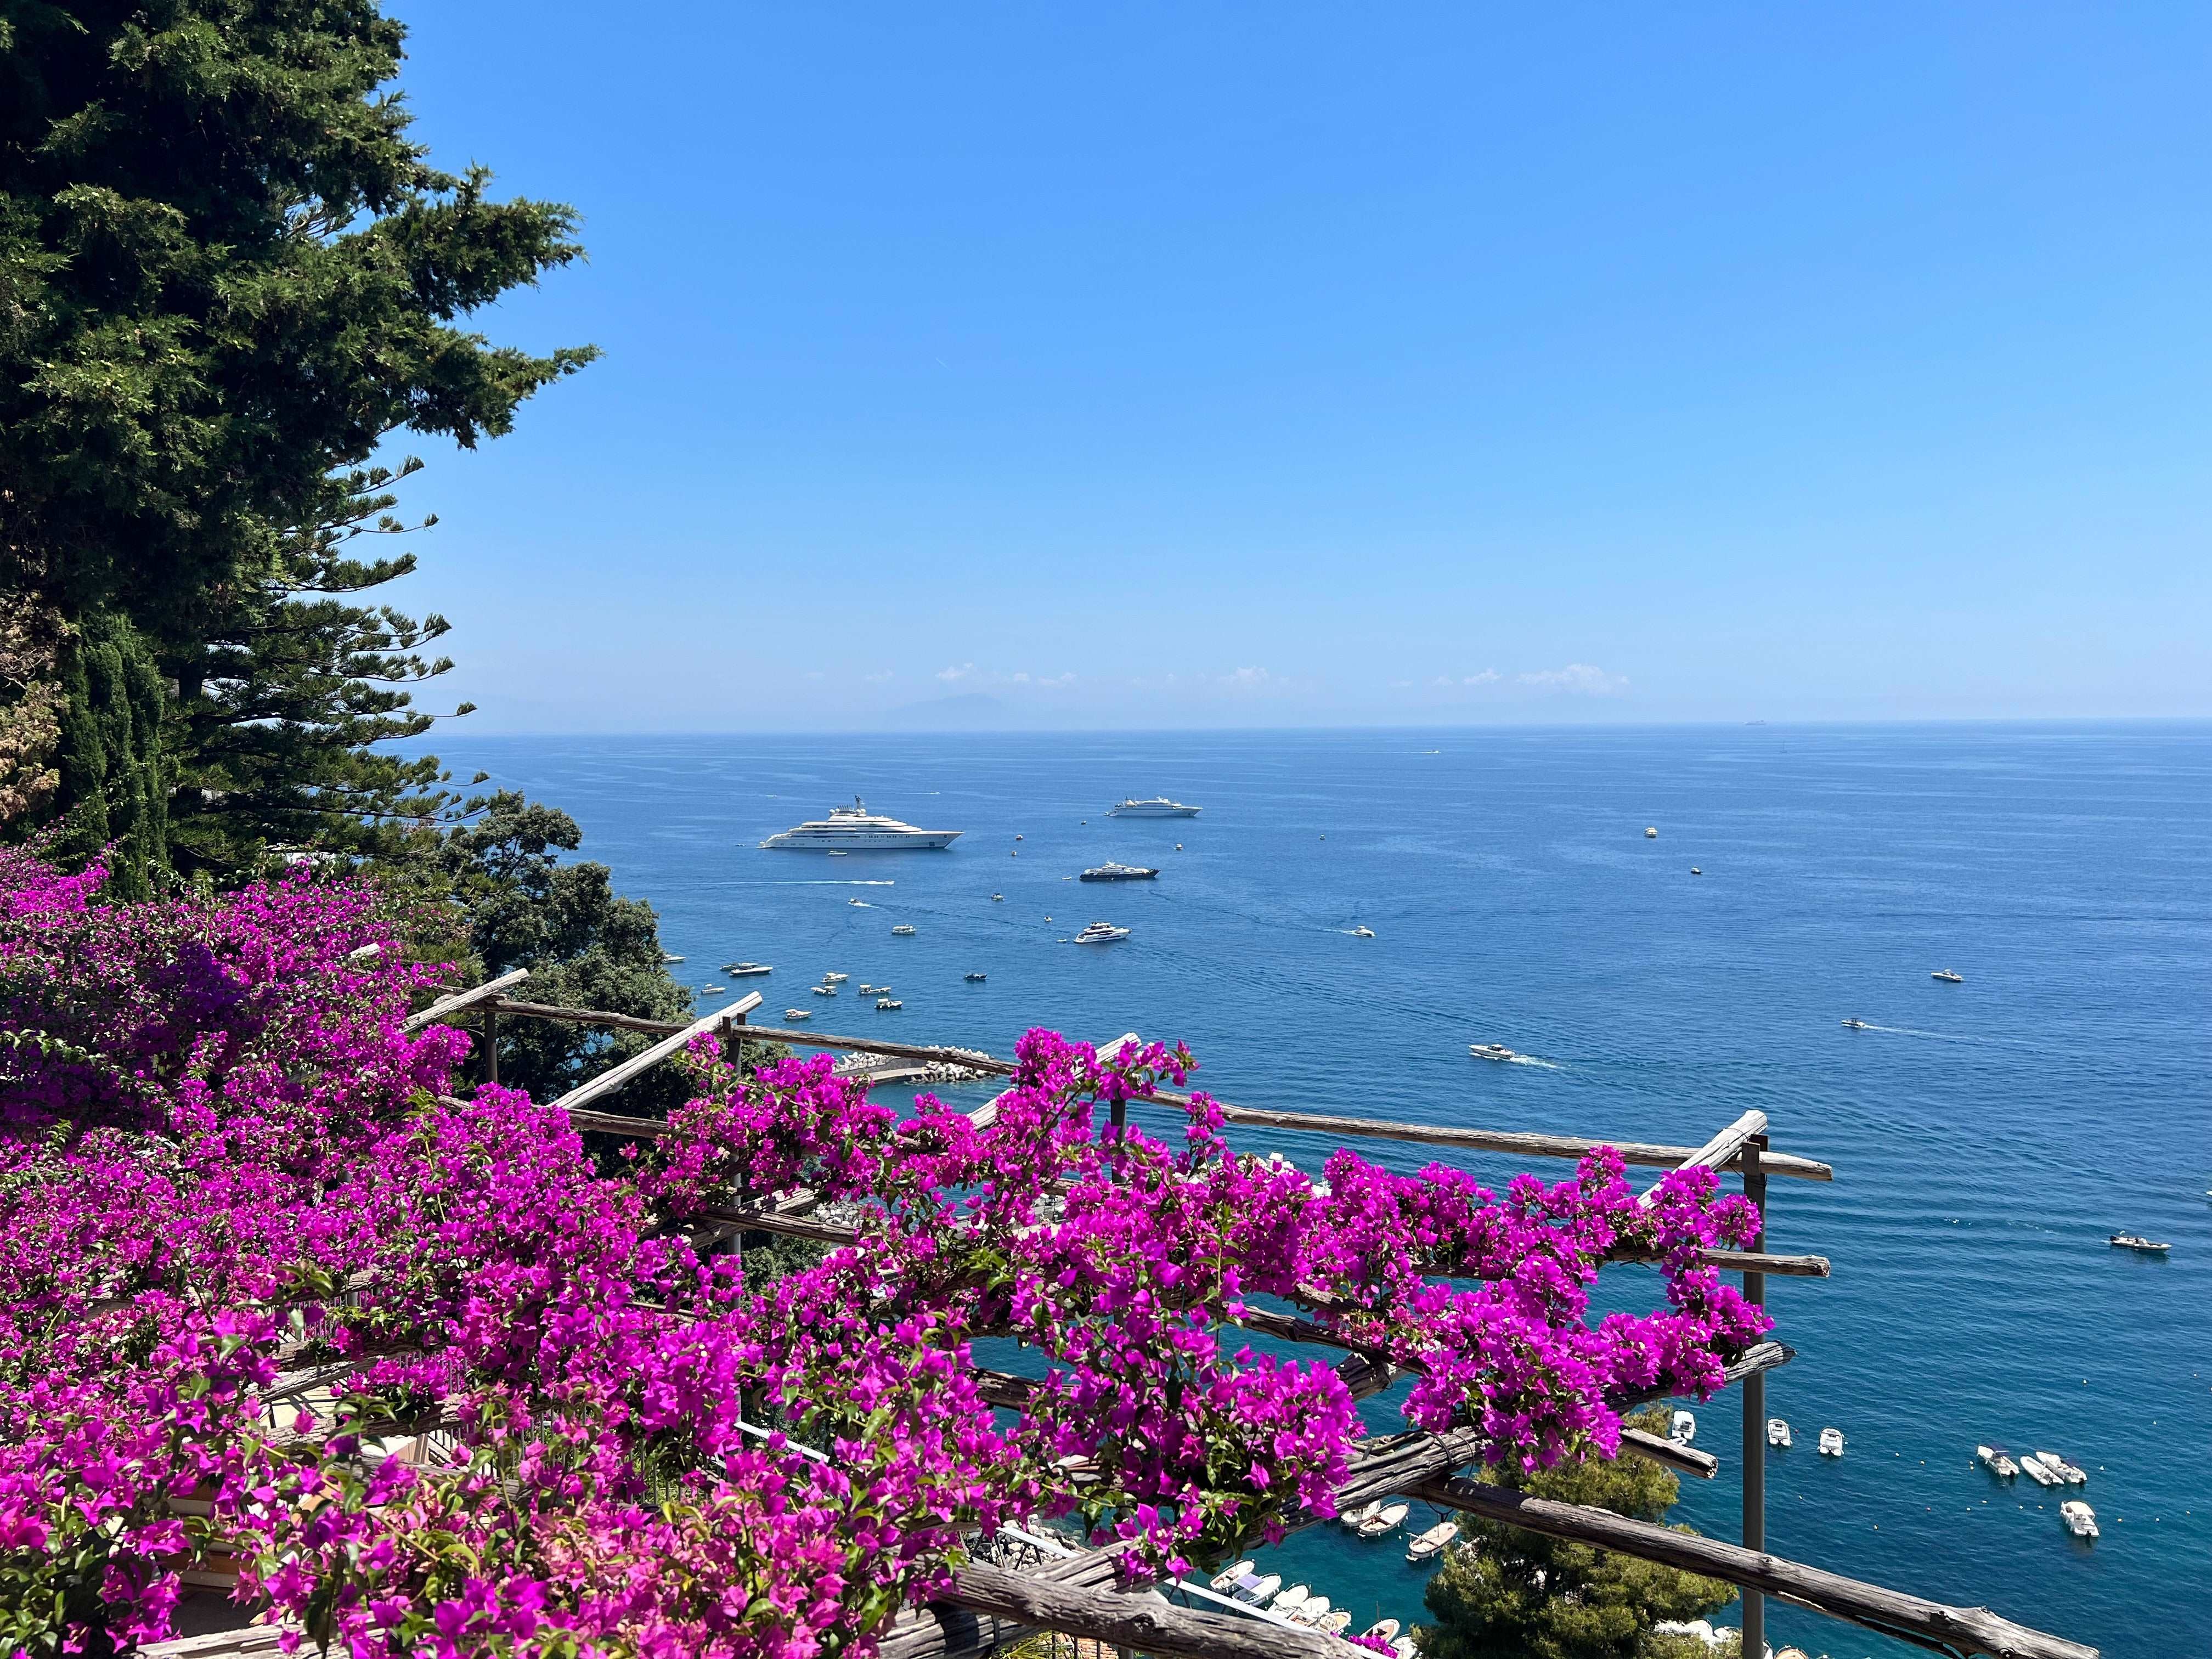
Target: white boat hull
<point>1146,810</point>
<point>864,840</point>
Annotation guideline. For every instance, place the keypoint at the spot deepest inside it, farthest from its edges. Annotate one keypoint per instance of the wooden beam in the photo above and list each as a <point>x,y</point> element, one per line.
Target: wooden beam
<point>1961,1629</point>
<point>1722,1150</point>
<point>1143,1621</point>
<point>637,1064</point>
<point>591,1017</point>
<point>1671,1453</point>
<point>445,1007</point>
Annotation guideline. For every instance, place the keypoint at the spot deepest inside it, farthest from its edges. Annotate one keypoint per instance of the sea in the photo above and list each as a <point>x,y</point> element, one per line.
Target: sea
<point>1986,1136</point>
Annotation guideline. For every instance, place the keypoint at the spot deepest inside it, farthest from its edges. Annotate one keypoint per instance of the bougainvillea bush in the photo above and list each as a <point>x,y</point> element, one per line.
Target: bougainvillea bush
<point>426,1381</point>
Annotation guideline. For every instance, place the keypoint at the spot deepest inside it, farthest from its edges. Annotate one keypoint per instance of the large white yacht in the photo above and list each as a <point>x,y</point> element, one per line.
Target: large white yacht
<point>1159,807</point>
<point>854,827</point>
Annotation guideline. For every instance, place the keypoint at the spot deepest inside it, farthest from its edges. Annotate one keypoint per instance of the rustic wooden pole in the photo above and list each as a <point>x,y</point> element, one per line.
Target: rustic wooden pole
<point>491,1040</point>
<point>1754,1415</point>
<point>445,1006</point>
<point>613,1078</point>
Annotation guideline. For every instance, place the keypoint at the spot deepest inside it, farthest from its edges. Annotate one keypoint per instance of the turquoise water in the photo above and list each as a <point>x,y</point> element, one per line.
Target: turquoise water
<point>1986,1136</point>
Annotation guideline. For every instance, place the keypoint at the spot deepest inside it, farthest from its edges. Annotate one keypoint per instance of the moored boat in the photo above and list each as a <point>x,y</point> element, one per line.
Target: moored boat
<point>1257,1590</point>
<point>1388,1520</point>
<point>1948,976</point>
<point>1777,1432</point>
<point>2080,1520</point>
<point>1228,1576</point>
<point>741,969</point>
<point>1993,1459</point>
<point>2137,1241</point>
<point>2071,1475</point>
<point>1110,871</point>
<point>903,929</point>
<point>2033,1466</point>
<point>1292,1598</point>
<point>1365,1512</point>
<point>1100,932</point>
<point>1432,1541</point>
<point>1159,806</point>
<point>1682,1427</point>
<point>1832,1443</point>
<point>797,1013</point>
<point>1382,1630</point>
<point>884,1003</point>
<point>974,979</point>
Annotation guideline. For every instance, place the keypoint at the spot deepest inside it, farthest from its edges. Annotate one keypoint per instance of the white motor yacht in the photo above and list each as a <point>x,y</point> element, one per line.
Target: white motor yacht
<point>1993,1459</point>
<point>1490,1051</point>
<point>671,957</point>
<point>855,828</point>
<point>904,930</point>
<point>1432,1541</point>
<point>1777,1432</point>
<point>1392,1517</point>
<point>997,898</point>
<point>1832,1443</point>
<point>1948,976</point>
<point>1682,1427</point>
<point>835,979</point>
<point>1101,933</point>
<point>1111,871</point>
<point>2080,1520</point>
<point>1228,1576</point>
<point>740,970</point>
<point>1159,807</point>
<point>797,1013</point>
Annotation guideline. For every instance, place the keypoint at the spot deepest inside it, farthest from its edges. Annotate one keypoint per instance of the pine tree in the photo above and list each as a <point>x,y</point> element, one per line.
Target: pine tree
<point>1504,1593</point>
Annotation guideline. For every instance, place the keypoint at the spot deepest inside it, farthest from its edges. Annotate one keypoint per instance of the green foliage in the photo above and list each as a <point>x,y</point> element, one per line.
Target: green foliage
<point>114,774</point>
<point>226,276</point>
<point>585,944</point>
<point>1509,1594</point>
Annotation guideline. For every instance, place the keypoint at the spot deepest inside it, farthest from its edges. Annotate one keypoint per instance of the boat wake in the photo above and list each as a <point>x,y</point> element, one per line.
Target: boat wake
<point>1531,1060</point>
<point>1943,1036</point>
<point>823,883</point>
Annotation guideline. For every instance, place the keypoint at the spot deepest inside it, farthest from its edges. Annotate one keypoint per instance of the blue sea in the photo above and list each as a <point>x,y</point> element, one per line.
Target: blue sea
<point>1986,1136</point>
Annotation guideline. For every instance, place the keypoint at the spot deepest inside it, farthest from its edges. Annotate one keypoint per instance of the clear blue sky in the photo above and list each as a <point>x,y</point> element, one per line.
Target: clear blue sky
<point>1276,365</point>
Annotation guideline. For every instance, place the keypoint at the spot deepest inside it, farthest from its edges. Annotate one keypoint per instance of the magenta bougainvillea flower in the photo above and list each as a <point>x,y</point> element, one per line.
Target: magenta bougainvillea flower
<point>427,1382</point>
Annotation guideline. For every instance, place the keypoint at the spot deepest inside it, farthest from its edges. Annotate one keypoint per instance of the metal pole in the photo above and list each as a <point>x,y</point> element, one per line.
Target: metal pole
<point>491,1044</point>
<point>1755,1417</point>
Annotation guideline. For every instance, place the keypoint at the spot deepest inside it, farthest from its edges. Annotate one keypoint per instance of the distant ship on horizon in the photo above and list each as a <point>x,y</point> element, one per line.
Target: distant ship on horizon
<point>1159,807</point>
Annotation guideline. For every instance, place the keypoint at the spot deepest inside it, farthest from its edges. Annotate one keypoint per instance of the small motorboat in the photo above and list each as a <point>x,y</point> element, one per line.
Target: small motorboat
<point>1993,1459</point>
<point>711,990</point>
<point>1363,932</point>
<point>1016,838</point>
<point>1310,1611</point>
<point>1292,1598</point>
<point>1228,1577</point>
<point>862,903</point>
<point>1948,976</point>
<point>1432,1542</point>
<point>884,1004</point>
<point>974,979</point>
<point>2080,1520</point>
<point>798,1014</point>
<point>1682,1428</point>
<point>1777,1432</point>
<point>670,956</point>
<point>838,852</point>
<point>2065,1471</point>
<point>1650,832</point>
<point>903,928</point>
<point>1832,1443</point>
<point>867,989</point>
<point>1695,871</point>
<point>1365,1512</point>
<point>2137,1241</point>
<point>997,898</point>
<point>2042,1474</point>
<point>835,979</point>
<point>1382,1630</point>
<point>1333,1622</point>
<point>1491,1051</point>
<point>824,990</point>
<point>1856,1025</point>
<point>1257,1590</point>
<point>1388,1521</point>
<point>741,969</point>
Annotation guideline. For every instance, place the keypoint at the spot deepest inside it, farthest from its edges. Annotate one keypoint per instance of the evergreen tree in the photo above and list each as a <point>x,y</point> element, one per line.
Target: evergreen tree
<point>226,276</point>
<point>1505,1593</point>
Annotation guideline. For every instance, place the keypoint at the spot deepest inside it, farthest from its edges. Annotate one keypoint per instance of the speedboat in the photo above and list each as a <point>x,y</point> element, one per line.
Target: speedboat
<point>2065,1471</point>
<point>1292,1598</point>
<point>1491,1051</point>
<point>852,827</point>
<point>824,990</point>
<point>2080,1520</point>
<point>1832,1443</point>
<point>835,979</point>
<point>1948,976</point>
<point>2040,1472</point>
<point>710,990</point>
<point>1993,1459</point>
<point>1229,1576</point>
<point>903,929</point>
<point>974,979</point>
<point>1363,932</point>
<point>798,1014</point>
<point>1110,871</point>
<point>670,956</point>
<point>1101,933</point>
<point>1381,1631</point>
<point>1432,1541</point>
<point>1777,1432</point>
<point>2137,1241</point>
<point>1388,1521</point>
<point>1856,1025</point>
<point>1682,1428</point>
<point>1257,1590</point>
<point>862,903</point>
<point>739,970</point>
<point>1159,807</point>
<point>883,1003</point>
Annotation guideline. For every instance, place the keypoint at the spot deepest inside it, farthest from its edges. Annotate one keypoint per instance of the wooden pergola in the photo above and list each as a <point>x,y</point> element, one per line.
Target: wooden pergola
<point>1019,1583</point>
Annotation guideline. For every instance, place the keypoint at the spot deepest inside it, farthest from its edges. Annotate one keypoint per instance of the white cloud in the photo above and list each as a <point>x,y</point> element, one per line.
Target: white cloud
<point>959,674</point>
<point>1584,679</point>
<point>1483,678</point>
<point>1246,680</point>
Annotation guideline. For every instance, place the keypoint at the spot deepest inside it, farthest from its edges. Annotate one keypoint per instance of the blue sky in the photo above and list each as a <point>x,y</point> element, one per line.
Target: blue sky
<point>1182,365</point>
